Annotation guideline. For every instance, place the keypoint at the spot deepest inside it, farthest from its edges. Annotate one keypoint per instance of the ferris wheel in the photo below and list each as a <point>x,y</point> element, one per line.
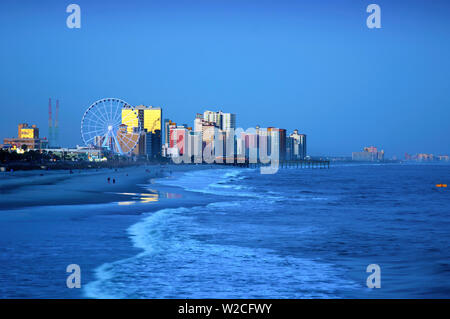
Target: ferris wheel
<point>112,124</point>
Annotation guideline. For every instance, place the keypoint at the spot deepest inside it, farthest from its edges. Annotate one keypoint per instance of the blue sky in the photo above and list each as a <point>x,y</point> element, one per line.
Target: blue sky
<point>311,65</point>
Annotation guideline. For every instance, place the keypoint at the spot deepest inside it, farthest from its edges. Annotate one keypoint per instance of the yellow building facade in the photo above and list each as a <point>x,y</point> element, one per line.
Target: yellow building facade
<point>130,119</point>
<point>27,131</point>
<point>148,116</point>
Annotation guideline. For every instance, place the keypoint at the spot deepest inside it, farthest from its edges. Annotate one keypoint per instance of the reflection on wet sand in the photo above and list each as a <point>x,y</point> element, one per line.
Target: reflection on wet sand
<point>143,198</point>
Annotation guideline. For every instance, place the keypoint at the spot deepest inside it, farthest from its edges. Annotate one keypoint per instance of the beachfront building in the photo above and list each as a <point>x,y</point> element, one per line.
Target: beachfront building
<point>296,146</point>
<point>262,141</point>
<point>212,117</point>
<point>178,141</point>
<point>224,121</point>
<point>26,131</point>
<point>248,145</point>
<point>290,142</point>
<point>212,125</point>
<point>198,122</point>
<point>78,153</point>
<point>153,146</point>
<point>25,143</point>
<point>167,123</point>
<point>148,117</point>
<point>206,125</point>
<point>168,127</point>
<point>194,146</point>
<point>148,122</point>
<point>422,157</point>
<point>228,121</point>
<point>27,138</point>
<point>208,132</point>
<point>149,145</point>
<point>253,144</point>
<point>302,150</point>
<point>369,154</point>
<point>277,141</point>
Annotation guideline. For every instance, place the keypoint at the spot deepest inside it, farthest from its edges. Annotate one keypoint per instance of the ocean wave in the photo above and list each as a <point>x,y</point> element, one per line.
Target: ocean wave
<point>183,257</point>
<point>223,182</point>
<point>175,263</point>
<point>230,183</point>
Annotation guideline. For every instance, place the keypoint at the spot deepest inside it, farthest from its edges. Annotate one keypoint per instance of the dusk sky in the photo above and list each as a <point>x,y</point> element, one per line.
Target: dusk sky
<point>310,65</point>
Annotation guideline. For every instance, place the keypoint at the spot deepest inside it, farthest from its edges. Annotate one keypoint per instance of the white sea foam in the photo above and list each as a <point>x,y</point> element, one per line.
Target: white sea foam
<point>214,181</point>
<point>182,258</point>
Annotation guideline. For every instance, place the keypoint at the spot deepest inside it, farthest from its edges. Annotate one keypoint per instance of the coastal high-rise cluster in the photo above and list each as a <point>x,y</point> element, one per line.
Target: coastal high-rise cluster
<point>369,154</point>
<point>424,157</point>
<point>143,133</point>
<point>112,126</point>
<point>217,129</point>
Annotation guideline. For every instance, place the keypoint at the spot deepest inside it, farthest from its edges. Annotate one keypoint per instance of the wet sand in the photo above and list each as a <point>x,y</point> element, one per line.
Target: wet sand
<point>47,188</point>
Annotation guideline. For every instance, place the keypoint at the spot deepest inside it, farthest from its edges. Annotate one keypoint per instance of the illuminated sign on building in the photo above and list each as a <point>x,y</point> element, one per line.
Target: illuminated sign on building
<point>27,133</point>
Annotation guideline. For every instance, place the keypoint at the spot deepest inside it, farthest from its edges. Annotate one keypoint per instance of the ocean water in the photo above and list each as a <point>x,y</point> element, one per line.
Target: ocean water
<point>300,233</point>
<point>234,233</point>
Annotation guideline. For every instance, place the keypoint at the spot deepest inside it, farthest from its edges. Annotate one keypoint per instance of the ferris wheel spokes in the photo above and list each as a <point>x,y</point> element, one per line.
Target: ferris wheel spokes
<point>105,125</point>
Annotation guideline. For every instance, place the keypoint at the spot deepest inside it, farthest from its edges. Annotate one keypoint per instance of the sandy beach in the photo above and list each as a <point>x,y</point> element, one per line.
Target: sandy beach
<point>90,186</point>
<point>64,188</point>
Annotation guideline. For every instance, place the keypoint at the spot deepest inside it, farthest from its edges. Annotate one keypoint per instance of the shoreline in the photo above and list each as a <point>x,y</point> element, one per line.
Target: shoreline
<point>58,188</point>
<point>188,199</point>
<point>64,188</point>
<point>64,224</point>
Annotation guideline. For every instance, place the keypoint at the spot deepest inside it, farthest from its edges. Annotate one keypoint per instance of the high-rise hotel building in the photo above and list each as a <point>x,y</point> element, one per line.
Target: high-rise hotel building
<point>215,125</point>
<point>228,121</point>
<point>277,141</point>
<point>224,121</point>
<point>296,145</point>
<point>148,119</point>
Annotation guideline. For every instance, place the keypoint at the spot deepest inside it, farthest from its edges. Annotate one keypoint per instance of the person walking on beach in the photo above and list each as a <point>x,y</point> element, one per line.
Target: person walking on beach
<point>109,179</point>
<point>114,180</point>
